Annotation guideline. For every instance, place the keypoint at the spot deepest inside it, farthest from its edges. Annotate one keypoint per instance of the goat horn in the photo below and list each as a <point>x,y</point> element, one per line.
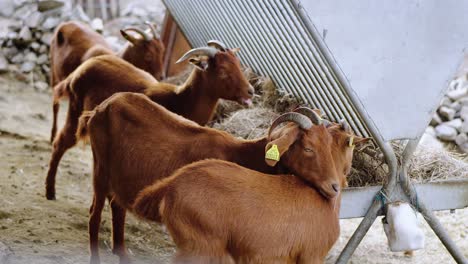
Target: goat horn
<point>314,117</point>
<point>206,51</point>
<point>345,126</point>
<point>217,44</point>
<point>145,35</point>
<point>303,121</point>
<point>153,29</point>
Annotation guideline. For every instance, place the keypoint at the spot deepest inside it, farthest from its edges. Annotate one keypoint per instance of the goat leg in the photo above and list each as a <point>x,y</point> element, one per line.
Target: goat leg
<point>118,227</point>
<point>93,227</point>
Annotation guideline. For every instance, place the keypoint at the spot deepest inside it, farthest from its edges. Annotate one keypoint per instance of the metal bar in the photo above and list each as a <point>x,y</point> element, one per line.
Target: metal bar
<point>438,196</point>
<point>285,49</point>
<point>416,200</point>
<point>305,71</point>
<point>270,51</point>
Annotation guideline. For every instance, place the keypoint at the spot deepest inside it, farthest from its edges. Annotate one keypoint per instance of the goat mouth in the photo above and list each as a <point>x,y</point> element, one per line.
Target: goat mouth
<point>327,195</point>
<point>245,101</point>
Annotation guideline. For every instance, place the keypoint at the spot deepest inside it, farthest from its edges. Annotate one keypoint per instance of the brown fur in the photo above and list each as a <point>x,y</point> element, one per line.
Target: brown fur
<point>136,142</point>
<point>74,42</point>
<point>218,211</point>
<point>100,77</point>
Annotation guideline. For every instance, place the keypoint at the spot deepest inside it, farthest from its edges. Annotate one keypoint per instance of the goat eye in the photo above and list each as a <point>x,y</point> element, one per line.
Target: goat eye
<point>308,150</point>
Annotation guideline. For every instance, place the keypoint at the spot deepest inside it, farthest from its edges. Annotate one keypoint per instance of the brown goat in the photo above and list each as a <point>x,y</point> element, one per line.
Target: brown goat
<point>217,75</point>
<point>218,211</point>
<point>74,42</point>
<point>136,142</point>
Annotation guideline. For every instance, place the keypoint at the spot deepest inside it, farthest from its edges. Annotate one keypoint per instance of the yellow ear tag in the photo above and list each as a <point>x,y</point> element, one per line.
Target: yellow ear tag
<point>351,141</point>
<point>273,153</point>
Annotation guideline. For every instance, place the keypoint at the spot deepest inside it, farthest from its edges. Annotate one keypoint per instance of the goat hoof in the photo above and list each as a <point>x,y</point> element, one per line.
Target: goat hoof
<point>50,195</point>
<point>94,260</point>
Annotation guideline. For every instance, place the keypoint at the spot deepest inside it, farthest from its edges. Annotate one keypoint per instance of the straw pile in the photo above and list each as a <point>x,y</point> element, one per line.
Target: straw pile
<point>369,168</point>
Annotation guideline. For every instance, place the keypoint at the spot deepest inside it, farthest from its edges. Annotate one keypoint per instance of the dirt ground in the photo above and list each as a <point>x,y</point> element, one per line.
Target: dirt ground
<point>35,230</point>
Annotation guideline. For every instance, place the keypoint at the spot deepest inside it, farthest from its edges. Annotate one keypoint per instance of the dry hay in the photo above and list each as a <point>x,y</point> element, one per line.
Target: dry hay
<point>369,168</point>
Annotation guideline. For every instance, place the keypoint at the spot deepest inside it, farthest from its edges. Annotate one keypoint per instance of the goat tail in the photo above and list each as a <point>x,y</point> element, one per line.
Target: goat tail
<point>149,203</point>
<point>83,122</point>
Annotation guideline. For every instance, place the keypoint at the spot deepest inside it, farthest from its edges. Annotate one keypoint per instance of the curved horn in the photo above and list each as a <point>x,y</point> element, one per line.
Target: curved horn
<point>207,51</point>
<point>153,29</point>
<point>314,117</point>
<point>303,121</point>
<point>345,126</point>
<point>217,44</point>
<point>143,34</point>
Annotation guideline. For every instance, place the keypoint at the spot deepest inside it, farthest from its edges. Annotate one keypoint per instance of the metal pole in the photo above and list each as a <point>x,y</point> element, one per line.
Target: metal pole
<point>431,219</point>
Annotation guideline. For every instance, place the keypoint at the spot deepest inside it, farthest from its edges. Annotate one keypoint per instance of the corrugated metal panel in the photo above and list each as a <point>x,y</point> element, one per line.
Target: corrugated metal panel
<point>274,42</point>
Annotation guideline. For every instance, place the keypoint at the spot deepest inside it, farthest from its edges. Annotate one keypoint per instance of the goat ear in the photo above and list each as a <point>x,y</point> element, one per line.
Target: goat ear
<point>235,50</point>
<point>277,147</point>
<point>356,141</point>
<point>129,37</point>
<point>202,64</point>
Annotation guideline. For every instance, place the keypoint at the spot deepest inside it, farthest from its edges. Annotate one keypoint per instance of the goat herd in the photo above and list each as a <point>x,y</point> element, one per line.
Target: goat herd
<point>274,199</point>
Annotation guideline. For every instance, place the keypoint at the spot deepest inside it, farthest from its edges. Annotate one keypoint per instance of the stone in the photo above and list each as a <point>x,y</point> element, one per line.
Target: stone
<point>10,52</point>
<point>430,141</point>
<point>47,38</point>
<point>31,56</point>
<point>47,5</point>
<point>25,34</point>
<point>461,139</point>
<point>436,120</point>
<point>3,64</point>
<point>455,123</point>
<point>45,68</point>
<point>35,46</point>
<point>18,58</point>
<point>456,106</point>
<point>6,8</point>
<point>41,86</point>
<point>464,127</point>
<point>464,147</point>
<point>43,49</point>
<point>445,132</point>
<point>464,113</point>
<point>12,35</point>
<point>458,93</point>
<point>43,58</point>
<point>97,25</point>
<point>430,131</point>
<point>445,101</point>
<point>37,35</point>
<point>27,66</point>
<point>463,101</point>
<point>446,113</point>
<point>34,20</point>
<point>51,22</point>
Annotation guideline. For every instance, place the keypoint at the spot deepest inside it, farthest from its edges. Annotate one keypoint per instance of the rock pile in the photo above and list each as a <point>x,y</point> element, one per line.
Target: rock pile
<point>450,122</point>
<point>25,41</point>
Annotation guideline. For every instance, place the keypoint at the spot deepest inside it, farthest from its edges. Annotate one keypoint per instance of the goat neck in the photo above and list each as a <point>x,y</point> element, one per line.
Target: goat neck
<point>251,154</point>
<point>199,99</point>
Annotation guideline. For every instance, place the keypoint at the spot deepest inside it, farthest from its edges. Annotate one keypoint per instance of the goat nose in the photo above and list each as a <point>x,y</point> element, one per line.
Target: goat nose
<point>336,187</point>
